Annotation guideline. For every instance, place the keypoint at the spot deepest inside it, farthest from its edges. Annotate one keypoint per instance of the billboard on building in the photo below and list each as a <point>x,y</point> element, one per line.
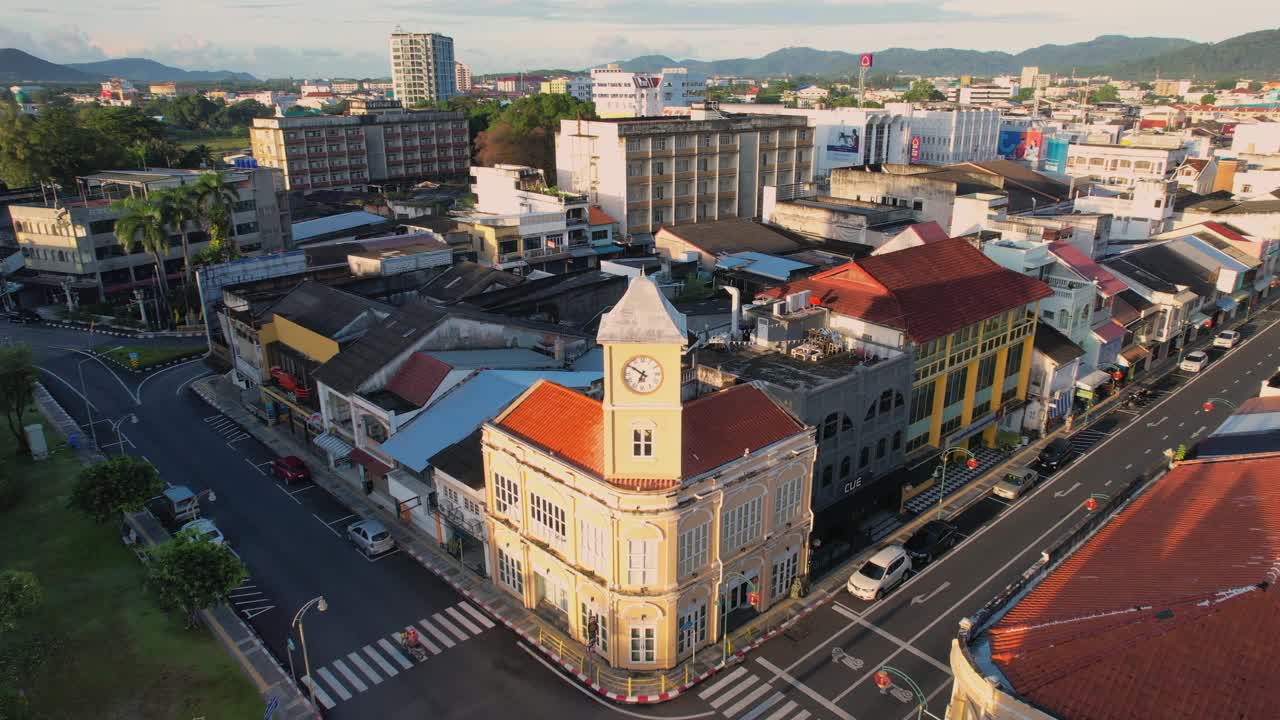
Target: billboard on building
<point>915,148</point>
<point>1021,145</point>
<point>1009,142</point>
<point>1055,158</point>
<point>842,145</point>
<point>1034,141</point>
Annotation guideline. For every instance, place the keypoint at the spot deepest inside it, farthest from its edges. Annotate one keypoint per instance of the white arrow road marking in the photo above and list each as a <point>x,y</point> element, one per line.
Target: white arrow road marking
<point>1157,423</point>
<point>1197,432</point>
<point>1063,493</point>
<point>921,599</point>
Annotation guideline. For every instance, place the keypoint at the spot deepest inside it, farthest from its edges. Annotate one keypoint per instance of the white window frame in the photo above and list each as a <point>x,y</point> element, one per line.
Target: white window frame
<point>506,496</point>
<point>547,521</point>
<point>691,637</point>
<point>644,643</point>
<point>786,503</point>
<point>740,525</point>
<point>511,572</point>
<point>642,440</point>
<point>592,548</point>
<point>602,623</point>
<point>642,562</point>
<point>693,548</point>
<point>785,570</point>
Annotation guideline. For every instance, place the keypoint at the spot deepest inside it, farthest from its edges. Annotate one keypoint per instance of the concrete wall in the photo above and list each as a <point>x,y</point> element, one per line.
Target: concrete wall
<point>937,196</point>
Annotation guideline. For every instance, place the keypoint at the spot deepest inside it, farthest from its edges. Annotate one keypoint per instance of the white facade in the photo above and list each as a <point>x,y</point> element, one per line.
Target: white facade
<point>1122,164</point>
<point>462,76</point>
<point>1261,138</point>
<point>980,94</point>
<point>1255,183</point>
<point>1138,211</point>
<point>620,93</point>
<point>422,67</point>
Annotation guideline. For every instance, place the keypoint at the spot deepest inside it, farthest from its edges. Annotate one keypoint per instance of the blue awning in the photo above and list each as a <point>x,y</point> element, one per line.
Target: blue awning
<point>1227,304</point>
<point>332,444</point>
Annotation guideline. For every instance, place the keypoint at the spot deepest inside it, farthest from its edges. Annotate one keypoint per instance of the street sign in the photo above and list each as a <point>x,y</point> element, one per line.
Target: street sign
<point>272,705</point>
<point>291,648</point>
<point>133,356</point>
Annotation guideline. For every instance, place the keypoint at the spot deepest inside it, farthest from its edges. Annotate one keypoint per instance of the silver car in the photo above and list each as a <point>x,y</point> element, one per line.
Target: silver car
<point>204,529</point>
<point>1015,482</point>
<point>371,537</point>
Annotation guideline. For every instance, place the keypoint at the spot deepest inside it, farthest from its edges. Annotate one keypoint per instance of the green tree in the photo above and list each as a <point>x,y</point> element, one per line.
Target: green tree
<point>216,201</point>
<point>524,132</point>
<point>200,156</point>
<point>179,207</point>
<point>923,91</point>
<point>192,573</point>
<point>1224,85</point>
<point>20,595</point>
<point>1255,86</point>
<point>219,249</point>
<point>113,486</point>
<point>1106,93</point>
<point>143,224</point>
<point>17,389</point>
<point>1208,99</point>
<point>1025,95</point>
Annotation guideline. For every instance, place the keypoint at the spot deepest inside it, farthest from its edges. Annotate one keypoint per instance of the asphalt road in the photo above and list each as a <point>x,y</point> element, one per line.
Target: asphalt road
<point>290,538</point>
<point>293,542</point>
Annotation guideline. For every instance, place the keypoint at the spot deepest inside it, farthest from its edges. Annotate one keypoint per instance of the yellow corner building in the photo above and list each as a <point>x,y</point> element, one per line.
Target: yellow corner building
<point>637,522</point>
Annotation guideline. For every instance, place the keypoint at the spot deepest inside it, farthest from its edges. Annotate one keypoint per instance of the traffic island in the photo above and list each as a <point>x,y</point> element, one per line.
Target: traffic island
<point>142,359</point>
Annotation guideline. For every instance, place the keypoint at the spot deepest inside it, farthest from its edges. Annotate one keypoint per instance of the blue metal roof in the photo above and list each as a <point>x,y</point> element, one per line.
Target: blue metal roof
<point>468,406</point>
<point>496,359</point>
<point>759,263</point>
<point>334,223</point>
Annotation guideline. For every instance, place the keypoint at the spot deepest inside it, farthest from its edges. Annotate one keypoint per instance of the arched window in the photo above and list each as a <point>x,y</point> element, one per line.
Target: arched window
<point>898,400</point>
<point>826,476</point>
<point>880,448</point>
<point>871,412</point>
<point>846,465</point>
<point>886,401</point>
<point>864,457</point>
<point>829,426</point>
<point>846,425</point>
<point>897,440</point>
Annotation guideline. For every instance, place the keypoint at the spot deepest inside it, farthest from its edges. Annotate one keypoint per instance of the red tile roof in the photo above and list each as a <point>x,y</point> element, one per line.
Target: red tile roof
<point>368,461</point>
<point>416,381</point>
<point>596,216</point>
<point>717,428</point>
<point>1085,266</point>
<point>929,232</point>
<point>1225,231</point>
<point>1169,611</point>
<point>927,291</point>
<point>1109,331</point>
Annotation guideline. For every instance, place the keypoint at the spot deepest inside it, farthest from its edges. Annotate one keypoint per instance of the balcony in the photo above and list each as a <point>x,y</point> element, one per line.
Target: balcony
<point>769,145</point>
<point>665,177</point>
<point>727,171</point>
<point>638,204</point>
<point>542,253</point>
<point>637,154</point>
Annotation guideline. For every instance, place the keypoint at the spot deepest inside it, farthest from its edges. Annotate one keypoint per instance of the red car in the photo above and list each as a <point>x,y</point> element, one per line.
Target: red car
<point>291,469</point>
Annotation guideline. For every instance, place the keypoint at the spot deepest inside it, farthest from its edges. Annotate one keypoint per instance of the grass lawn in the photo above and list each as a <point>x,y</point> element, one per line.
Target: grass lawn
<point>121,657</point>
<point>148,355</point>
<point>218,143</point>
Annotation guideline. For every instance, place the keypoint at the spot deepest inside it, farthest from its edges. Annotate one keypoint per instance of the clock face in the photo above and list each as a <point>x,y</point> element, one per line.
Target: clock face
<point>642,374</point>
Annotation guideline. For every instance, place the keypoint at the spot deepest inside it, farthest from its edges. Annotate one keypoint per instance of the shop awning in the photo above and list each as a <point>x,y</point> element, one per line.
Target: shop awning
<point>1226,304</point>
<point>1093,380</point>
<point>368,462</point>
<point>1134,355</point>
<point>1198,319</point>
<point>332,444</point>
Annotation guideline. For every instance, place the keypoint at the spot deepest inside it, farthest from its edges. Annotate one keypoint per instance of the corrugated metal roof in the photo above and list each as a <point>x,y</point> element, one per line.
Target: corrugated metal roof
<point>334,223</point>
<point>757,263</point>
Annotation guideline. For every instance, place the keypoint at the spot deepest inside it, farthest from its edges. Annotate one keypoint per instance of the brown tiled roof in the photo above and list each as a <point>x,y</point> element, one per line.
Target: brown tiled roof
<point>1169,611</point>
<point>596,216</point>
<point>717,429</point>
<point>927,291</point>
<point>417,379</point>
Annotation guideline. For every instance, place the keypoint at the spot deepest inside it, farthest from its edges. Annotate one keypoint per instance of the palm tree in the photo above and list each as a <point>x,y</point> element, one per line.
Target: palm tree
<point>200,156</point>
<point>143,223</point>
<point>178,207</point>
<point>216,200</point>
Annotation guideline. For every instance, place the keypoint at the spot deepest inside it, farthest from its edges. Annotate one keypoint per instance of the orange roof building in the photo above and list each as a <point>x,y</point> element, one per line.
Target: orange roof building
<point>610,510</point>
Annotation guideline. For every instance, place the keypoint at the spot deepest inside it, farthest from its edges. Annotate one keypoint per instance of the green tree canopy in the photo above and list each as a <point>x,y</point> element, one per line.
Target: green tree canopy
<point>192,573</point>
<point>20,595</point>
<point>143,223</point>
<point>117,485</point>
<point>1224,85</point>
<point>1025,95</point>
<point>923,91</point>
<point>1106,93</point>
<point>524,131</point>
<point>1208,99</point>
<point>17,389</point>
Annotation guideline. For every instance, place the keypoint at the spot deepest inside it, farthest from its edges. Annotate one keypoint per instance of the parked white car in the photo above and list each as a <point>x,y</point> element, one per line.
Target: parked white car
<point>371,537</point>
<point>1226,339</point>
<point>1194,361</point>
<point>204,528</point>
<point>880,574</point>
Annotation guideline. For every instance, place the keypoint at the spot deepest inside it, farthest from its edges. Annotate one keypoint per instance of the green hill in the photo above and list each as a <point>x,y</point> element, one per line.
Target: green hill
<point>17,66</point>
<point>1256,55</point>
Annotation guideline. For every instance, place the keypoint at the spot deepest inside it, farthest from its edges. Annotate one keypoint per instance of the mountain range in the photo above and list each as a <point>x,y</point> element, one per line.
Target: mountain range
<point>19,66</point>
<point>1254,54</point>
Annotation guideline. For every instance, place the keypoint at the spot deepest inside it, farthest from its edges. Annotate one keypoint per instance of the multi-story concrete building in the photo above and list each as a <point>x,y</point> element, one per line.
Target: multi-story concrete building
<point>462,75</point>
<point>1122,164</point>
<point>74,242</point>
<point>170,89</point>
<point>980,94</point>
<point>1139,209</point>
<point>578,86</point>
<point>646,521</point>
<point>422,67</point>
<point>654,172</point>
<point>620,93</point>
<point>352,151</point>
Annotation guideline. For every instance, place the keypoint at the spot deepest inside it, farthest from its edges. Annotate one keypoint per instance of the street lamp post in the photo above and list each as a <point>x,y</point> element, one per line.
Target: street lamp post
<point>971,463</point>
<point>884,680</point>
<point>321,604</point>
<point>84,393</point>
<point>1211,402</point>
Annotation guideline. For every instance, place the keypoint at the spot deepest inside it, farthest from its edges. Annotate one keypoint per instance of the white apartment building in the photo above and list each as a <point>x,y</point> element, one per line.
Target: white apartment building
<point>1259,138</point>
<point>346,87</point>
<point>619,93</point>
<point>655,172</point>
<point>1138,210</point>
<point>462,76</point>
<point>848,137</point>
<point>980,94</point>
<point>422,67</point>
<point>1122,164</point>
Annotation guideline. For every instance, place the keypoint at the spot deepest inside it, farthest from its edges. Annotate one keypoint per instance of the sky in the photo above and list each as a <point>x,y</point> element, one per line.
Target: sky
<point>342,38</point>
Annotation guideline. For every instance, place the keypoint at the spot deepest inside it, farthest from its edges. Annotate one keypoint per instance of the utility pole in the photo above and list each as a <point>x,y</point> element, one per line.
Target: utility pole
<point>142,305</point>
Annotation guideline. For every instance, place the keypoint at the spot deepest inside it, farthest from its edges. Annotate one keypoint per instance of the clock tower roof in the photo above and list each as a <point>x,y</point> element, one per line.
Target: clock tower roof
<point>643,315</point>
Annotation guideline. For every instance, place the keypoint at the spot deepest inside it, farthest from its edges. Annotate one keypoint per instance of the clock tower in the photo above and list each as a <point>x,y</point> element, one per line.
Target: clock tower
<point>644,339</point>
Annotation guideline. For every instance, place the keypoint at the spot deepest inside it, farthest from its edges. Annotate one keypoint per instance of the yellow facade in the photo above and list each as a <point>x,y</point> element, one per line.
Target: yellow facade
<point>296,337</point>
<point>487,240</point>
<point>638,565</point>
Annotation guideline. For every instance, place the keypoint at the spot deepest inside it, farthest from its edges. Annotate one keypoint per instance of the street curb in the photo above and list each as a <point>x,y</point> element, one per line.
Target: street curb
<point>135,334</point>
<point>150,368</point>
<point>59,417</point>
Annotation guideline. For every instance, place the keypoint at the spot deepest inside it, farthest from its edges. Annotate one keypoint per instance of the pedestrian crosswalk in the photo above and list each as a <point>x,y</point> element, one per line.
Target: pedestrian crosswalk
<point>344,677</point>
<point>742,695</point>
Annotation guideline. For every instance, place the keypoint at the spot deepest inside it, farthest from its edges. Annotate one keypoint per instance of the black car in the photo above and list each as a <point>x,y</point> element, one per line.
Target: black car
<point>931,540</point>
<point>1054,455</point>
<point>23,316</point>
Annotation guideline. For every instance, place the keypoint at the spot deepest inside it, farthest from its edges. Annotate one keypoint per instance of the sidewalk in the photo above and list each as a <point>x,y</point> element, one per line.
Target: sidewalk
<point>240,641</point>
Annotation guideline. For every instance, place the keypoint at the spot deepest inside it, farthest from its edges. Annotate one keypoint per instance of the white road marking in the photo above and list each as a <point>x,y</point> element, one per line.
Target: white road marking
<point>171,367</point>
<point>112,373</point>
<point>479,616</point>
<point>1107,484</point>
<point>322,522</point>
<point>1182,423</point>
<point>1147,451</point>
<point>255,467</point>
<point>252,613</point>
<point>914,715</point>
<point>920,599</point>
<point>747,699</point>
<point>722,682</point>
<point>1126,467</point>
<point>891,637</point>
<point>391,650</point>
<point>350,676</point>
<point>345,517</point>
<point>238,594</point>
<point>377,657</point>
<point>999,500</point>
<point>791,705</point>
<point>444,622</point>
<point>364,668</point>
<point>291,497</point>
<point>734,691</point>
<point>1164,437</point>
<point>814,694</point>
<point>178,391</point>
<point>70,387</point>
<point>1197,432</point>
<point>333,683</point>
<point>444,639</point>
<point>1068,491</point>
<point>769,702</point>
<point>321,695</point>
<point>466,623</point>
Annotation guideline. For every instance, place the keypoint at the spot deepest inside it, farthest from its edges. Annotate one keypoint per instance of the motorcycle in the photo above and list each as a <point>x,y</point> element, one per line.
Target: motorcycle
<point>409,643</point>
